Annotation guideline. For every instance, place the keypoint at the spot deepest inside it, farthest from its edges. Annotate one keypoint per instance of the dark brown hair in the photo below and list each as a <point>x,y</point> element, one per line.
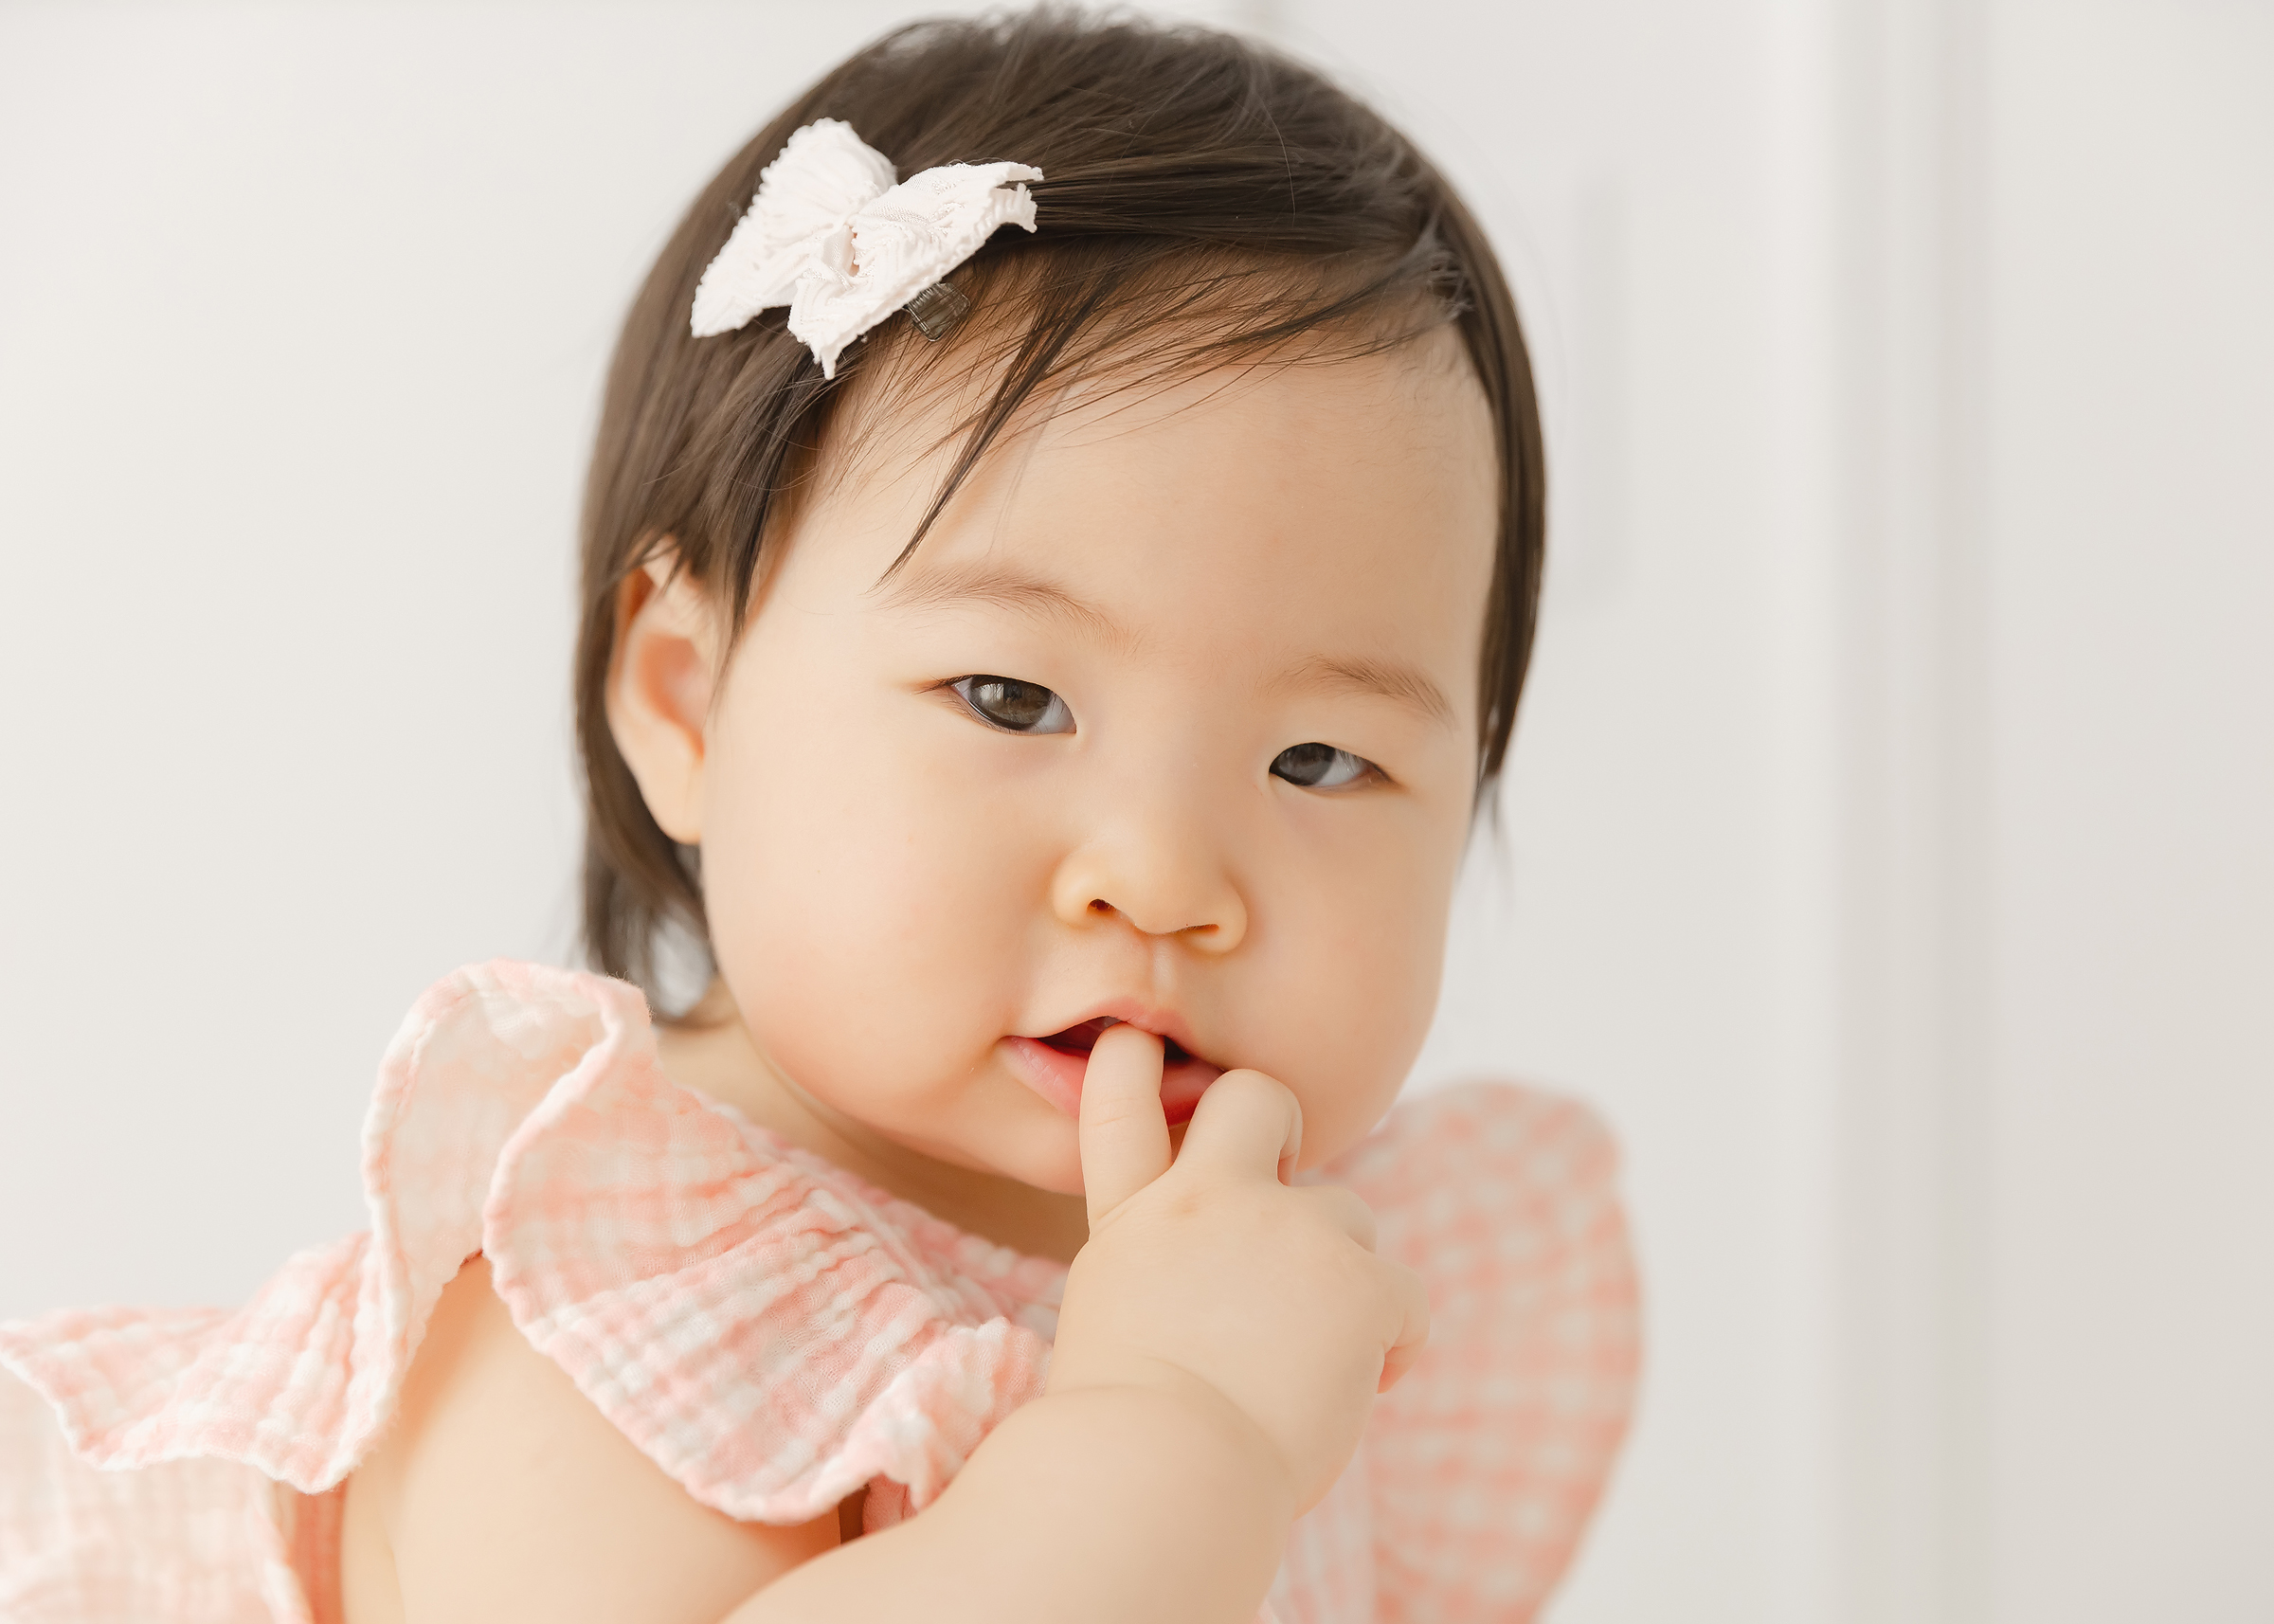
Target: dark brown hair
<point>1207,202</point>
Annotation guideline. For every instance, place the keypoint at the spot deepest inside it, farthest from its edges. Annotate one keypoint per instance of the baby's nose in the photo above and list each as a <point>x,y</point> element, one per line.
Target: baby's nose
<point>1166,887</point>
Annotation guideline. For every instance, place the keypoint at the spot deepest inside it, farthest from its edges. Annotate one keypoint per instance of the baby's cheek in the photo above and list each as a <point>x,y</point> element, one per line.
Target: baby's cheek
<point>1370,991</point>
<point>852,924</point>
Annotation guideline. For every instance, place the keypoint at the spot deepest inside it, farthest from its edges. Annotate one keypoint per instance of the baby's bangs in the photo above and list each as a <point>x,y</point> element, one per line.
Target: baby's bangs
<point>1125,319</point>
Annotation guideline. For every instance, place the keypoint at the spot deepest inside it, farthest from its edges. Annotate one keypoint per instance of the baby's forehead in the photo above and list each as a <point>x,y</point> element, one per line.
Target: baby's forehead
<point>1342,511</point>
<point>1414,408</point>
<point>984,395</point>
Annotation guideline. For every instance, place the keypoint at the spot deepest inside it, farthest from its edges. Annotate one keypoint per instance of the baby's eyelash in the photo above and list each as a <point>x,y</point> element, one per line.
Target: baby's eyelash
<point>1317,765</point>
<point>1013,705</point>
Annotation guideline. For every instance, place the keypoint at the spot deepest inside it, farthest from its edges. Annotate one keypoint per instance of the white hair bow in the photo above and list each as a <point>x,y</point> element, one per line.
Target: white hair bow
<point>831,236</point>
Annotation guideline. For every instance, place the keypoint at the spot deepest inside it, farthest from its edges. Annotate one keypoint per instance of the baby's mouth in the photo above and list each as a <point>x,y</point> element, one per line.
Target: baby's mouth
<point>1056,1066</point>
<point>1081,1039</point>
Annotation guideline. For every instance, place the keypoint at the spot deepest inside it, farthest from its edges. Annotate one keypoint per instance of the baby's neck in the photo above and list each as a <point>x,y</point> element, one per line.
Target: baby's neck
<point>711,1052</point>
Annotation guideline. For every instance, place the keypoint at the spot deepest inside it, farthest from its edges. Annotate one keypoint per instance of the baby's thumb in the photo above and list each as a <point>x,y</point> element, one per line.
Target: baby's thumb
<point>1124,1133</point>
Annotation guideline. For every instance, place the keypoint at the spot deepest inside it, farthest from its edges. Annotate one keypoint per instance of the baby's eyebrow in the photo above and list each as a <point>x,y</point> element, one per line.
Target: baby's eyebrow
<point>1388,678</point>
<point>1004,590</point>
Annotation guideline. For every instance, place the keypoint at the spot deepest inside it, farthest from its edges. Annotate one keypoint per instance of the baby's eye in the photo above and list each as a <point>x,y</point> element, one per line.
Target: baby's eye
<point>1016,707</point>
<point>1320,766</point>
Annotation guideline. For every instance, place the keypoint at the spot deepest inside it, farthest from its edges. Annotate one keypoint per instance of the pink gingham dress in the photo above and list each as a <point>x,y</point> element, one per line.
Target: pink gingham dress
<point>775,1333</point>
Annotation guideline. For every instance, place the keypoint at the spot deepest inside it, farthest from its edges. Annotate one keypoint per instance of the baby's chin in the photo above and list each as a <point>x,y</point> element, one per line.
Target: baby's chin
<point>1041,1152</point>
<point>1048,1158</point>
<point>1053,1170</point>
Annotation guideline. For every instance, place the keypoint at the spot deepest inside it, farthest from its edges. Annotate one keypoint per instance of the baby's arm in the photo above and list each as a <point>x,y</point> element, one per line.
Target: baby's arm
<point>1222,1340</point>
<point>1100,1507</point>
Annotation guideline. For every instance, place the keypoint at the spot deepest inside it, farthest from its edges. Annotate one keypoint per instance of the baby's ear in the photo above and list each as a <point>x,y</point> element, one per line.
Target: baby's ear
<point>660,690</point>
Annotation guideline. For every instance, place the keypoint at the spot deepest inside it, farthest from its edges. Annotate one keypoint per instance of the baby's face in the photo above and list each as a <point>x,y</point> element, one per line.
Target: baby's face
<point>1171,719</point>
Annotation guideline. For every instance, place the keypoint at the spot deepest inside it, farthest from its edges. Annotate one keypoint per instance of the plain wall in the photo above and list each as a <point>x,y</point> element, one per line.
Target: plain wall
<point>2131,1238</point>
<point>302,314</point>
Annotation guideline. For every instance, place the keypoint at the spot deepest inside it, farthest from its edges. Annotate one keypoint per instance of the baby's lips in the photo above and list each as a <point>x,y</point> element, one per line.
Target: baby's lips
<point>1055,1069</point>
<point>1083,1035</point>
<point>1097,1027</point>
<point>1185,1076</point>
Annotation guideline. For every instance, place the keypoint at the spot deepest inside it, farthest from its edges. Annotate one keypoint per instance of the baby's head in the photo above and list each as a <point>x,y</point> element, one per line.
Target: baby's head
<point>1138,649</point>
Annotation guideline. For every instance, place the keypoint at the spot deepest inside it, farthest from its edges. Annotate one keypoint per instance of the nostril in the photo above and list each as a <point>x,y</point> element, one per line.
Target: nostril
<point>1099,905</point>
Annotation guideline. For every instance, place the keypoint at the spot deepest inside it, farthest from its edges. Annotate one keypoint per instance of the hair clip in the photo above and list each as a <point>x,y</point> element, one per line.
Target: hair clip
<point>936,309</point>
<point>832,236</point>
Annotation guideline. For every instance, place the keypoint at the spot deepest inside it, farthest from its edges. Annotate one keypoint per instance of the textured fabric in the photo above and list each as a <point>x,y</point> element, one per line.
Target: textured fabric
<point>775,1333</point>
<point>830,236</point>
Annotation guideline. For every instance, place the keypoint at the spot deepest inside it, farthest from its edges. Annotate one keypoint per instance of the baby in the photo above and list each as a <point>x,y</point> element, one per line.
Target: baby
<point>1059,564</point>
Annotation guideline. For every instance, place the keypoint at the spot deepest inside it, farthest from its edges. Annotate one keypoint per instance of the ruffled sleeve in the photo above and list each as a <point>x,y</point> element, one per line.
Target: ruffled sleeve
<point>1486,1461</point>
<point>743,1318</point>
<point>726,1301</point>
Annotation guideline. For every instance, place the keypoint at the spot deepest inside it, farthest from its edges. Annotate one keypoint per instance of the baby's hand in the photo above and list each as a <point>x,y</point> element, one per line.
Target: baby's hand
<point>1212,1280</point>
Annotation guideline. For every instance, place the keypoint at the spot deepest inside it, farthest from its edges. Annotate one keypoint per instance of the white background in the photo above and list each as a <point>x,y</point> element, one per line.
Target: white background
<point>1886,844</point>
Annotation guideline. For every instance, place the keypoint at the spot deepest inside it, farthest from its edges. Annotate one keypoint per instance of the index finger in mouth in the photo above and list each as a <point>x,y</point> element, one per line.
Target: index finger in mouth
<point>1124,1132</point>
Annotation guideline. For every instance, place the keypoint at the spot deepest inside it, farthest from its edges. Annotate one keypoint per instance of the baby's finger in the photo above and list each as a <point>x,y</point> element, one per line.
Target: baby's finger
<point>1125,1134</point>
<point>1246,1124</point>
<point>1410,1299</point>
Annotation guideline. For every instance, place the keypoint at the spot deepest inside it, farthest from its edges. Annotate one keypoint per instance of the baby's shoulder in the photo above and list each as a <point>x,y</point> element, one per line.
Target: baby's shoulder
<point>496,1464</point>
